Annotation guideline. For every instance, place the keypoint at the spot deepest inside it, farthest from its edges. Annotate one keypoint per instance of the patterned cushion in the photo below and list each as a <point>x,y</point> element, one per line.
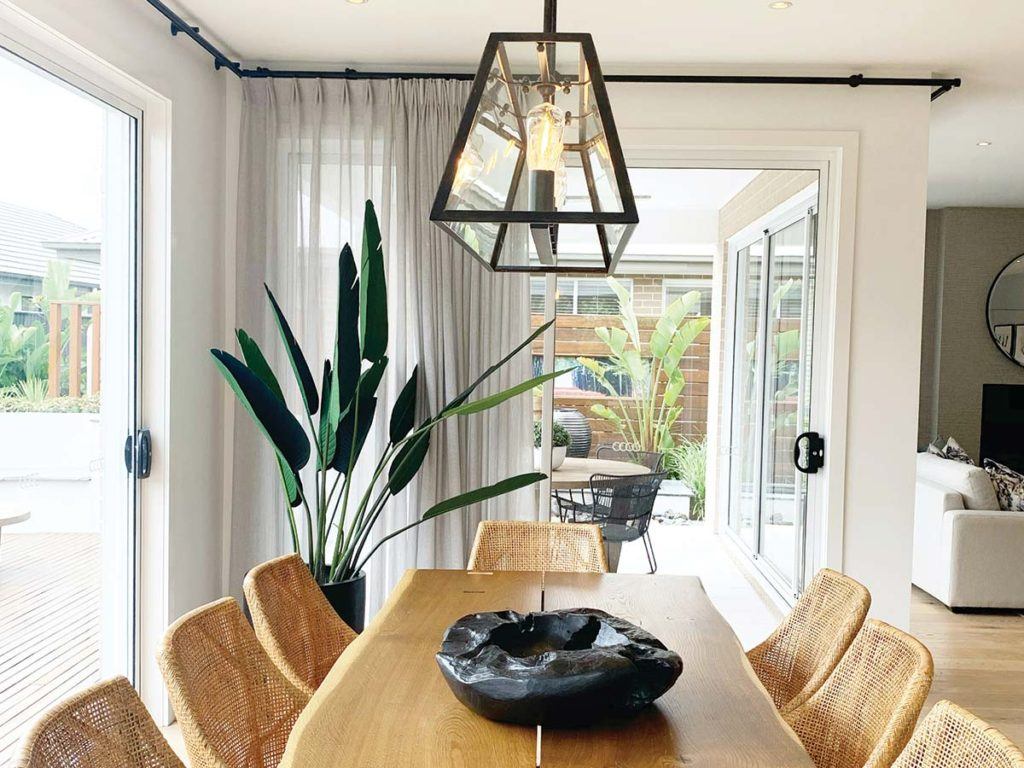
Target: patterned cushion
<point>1009,486</point>
<point>951,450</point>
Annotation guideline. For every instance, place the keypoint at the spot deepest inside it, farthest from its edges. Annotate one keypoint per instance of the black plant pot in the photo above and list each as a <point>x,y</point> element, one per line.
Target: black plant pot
<point>348,599</point>
<point>578,427</point>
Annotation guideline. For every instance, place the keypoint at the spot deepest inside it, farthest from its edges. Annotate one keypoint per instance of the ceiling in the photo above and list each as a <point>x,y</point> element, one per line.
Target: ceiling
<point>979,41</point>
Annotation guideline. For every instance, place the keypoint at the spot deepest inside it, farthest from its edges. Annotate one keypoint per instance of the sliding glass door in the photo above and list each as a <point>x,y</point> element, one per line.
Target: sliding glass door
<point>68,383</point>
<point>773,312</point>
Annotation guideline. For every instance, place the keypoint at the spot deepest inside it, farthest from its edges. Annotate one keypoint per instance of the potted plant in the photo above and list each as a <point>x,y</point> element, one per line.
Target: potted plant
<point>560,440</point>
<point>335,420</point>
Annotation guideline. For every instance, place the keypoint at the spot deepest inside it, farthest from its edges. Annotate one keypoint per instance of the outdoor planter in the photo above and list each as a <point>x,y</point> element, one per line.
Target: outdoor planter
<point>578,427</point>
<point>558,453</point>
<point>556,668</point>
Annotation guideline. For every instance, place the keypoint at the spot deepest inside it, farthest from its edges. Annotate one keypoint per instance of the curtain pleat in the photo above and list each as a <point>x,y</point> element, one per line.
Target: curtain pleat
<point>312,152</point>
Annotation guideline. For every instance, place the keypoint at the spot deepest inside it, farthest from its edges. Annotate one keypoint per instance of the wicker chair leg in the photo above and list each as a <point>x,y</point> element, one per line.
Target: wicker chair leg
<point>649,546</point>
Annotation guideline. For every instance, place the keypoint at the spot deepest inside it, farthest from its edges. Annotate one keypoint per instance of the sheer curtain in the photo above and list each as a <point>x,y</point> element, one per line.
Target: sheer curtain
<point>312,152</point>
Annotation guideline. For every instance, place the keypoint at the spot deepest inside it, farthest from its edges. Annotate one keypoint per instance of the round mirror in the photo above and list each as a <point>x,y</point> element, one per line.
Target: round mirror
<point>1006,310</point>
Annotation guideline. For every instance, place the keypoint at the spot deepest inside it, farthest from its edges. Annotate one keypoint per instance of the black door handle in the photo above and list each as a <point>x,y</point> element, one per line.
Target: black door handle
<point>138,454</point>
<point>814,449</point>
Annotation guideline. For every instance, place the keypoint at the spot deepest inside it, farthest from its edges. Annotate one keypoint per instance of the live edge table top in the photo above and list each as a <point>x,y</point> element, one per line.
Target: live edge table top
<point>385,704</point>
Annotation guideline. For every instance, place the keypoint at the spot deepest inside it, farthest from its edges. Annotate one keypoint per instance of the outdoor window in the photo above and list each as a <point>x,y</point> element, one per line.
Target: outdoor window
<point>675,289</point>
<point>578,296</point>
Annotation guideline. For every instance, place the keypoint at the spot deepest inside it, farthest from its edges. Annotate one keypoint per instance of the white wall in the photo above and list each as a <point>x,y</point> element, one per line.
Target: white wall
<point>892,124</point>
<point>131,36</point>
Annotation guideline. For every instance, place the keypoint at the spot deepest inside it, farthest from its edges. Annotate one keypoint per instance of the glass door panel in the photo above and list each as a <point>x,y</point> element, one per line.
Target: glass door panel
<point>747,394</point>
<point>784,489</point>
<point>68,352</point>
<point>772,320</point>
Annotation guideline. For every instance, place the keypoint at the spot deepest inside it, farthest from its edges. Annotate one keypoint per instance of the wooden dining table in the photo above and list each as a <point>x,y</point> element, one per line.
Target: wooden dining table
<point>575,473</point>
<point>384,704</point>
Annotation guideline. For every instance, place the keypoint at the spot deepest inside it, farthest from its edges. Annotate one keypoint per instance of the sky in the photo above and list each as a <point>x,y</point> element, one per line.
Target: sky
<point>51,146</point>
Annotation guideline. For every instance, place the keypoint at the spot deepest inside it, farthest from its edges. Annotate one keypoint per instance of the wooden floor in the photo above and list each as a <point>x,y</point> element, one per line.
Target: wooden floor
<point>49,625</point>
<point>979,661</point>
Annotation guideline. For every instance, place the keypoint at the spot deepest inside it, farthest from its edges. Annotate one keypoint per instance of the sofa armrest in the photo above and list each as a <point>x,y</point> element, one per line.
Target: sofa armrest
<point>931,555</point>
<point>985,551</point>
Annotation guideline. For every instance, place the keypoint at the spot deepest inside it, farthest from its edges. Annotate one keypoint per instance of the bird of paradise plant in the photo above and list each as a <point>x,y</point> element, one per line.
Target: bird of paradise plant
<point>339,417</point>
<point>645,420</point>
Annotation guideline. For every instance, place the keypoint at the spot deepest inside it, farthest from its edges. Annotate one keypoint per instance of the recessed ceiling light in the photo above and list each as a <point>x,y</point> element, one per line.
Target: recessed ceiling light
<point>358,2</point>
<point>984,143</point>
<point>780,5</point>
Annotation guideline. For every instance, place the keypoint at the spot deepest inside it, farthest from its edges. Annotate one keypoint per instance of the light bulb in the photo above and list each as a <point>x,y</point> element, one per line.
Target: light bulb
<point>545,124</point>
<point>561,183</point>
<point>468,169</point>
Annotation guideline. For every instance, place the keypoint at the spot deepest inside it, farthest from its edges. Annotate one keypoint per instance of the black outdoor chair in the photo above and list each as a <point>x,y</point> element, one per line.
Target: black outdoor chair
<point>621,506</point>
<point>650,459</point>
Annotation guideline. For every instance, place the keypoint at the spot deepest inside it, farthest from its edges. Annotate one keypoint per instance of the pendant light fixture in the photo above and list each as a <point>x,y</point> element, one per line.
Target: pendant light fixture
<point>536,181</point>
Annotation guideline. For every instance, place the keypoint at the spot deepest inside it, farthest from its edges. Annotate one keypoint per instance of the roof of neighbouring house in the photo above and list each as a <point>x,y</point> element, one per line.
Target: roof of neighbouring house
<point>30,239</point>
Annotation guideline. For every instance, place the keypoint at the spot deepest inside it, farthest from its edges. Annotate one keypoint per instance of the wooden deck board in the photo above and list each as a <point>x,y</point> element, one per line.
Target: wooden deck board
<point>49,625</point>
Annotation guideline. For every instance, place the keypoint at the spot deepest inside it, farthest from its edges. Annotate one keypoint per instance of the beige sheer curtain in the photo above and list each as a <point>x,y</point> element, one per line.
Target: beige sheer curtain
<point>312,152</point>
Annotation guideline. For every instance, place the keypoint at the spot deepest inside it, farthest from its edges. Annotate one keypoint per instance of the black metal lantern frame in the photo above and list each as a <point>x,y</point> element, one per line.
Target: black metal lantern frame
<point>480,219</point>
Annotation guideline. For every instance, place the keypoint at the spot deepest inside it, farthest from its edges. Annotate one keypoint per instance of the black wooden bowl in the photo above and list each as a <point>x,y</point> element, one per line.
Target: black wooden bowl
<point>554,668</point>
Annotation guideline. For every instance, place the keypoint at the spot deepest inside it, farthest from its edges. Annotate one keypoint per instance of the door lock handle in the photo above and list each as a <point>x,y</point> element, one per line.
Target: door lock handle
<point>812,446</point>
<point>138,454</point>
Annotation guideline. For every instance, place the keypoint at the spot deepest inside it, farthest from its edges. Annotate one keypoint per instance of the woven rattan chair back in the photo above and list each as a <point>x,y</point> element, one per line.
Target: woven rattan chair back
<point>105,726</point>
<point>651,459</point>
<point>801,653</point>
<point>295,624</point>
<point>626,501</point>
<point>511,545</point>
<point>234,706</point>
<point>864,714</point>
<point>951,737</point>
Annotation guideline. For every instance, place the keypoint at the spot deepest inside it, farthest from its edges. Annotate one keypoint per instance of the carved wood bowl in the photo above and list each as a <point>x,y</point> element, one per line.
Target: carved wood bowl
<point>555,668</point>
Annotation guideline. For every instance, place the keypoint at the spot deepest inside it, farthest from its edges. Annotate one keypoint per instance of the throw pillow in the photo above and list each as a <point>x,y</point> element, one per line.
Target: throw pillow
<point>952,450</point>
<point>1009,486</point>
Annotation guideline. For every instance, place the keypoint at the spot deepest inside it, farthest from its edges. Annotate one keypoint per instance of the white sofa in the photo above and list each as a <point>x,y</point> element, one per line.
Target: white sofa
<point>967,553</point>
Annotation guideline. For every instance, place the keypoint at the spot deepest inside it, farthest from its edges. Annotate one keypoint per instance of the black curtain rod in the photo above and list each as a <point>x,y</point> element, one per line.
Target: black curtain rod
<point>180,26</point>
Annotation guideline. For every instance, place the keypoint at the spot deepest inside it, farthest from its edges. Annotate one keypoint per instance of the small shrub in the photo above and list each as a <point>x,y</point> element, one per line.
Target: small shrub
<point>688,461</point>
<point>15,403</point>
<point>559,435</point>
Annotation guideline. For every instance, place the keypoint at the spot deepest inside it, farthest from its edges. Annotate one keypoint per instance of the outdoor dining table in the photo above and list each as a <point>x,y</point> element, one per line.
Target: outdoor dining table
<point>575,473</point>
<point>385,703</point>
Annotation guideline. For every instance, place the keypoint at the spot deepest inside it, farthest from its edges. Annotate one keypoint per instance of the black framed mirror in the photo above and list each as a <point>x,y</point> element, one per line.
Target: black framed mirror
<point>1005,310</point>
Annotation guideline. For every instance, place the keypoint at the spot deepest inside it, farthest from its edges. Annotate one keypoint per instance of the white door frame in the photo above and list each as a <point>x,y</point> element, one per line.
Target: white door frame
<point>834,154</point>
<point>36,42</point>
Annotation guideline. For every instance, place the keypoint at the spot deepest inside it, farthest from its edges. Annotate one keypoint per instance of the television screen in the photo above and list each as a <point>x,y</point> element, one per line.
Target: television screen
<point>1002,424</point>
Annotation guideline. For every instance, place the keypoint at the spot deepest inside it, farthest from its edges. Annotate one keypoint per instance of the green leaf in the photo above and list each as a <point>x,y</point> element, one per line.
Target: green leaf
<point>271,415</point>
<point>403,414</point>
<point>299,365</point>
<point>464,394</point>
<point>253,356</point>
<point>290,482</point>
<point>674,388</point>
<point>486,403</point>
<point>604,412</point>
<point>347,356</point>
<point>328,434</point>
<point>373,292</point>
<point>408,462</point>
<point>483,494</point>
<point>355,423</point>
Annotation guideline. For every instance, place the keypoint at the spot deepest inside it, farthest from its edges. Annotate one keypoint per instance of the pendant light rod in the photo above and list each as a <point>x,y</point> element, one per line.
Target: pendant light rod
<point>941,85</point>
<point>550,16</point>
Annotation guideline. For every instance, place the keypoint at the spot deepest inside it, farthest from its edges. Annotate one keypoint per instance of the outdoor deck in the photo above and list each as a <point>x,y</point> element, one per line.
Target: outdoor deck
<point>49,625</point>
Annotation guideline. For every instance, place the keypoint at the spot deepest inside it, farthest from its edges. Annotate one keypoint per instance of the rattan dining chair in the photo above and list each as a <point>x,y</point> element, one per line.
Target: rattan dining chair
<point>795,659</point>
<point>234,707</point>
<point>951,737</point>
<point>512,545</point>
<point>864,713</point>
<point>653,460</point>
<point>104,726</point>
<point>297,627</point>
